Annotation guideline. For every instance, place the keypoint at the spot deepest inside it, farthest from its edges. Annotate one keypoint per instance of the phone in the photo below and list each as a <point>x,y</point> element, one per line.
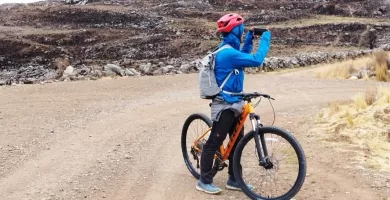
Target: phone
<point>259,31</point>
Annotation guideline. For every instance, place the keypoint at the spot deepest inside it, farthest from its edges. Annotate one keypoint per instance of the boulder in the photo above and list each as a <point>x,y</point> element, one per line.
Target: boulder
<point>115,69</point>
<point>353,78</point>
<point>68,71</point>
<point>146,68</point>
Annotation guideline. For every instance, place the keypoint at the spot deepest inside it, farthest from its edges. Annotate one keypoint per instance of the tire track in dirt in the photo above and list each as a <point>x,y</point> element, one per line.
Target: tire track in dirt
<point>127,146</point>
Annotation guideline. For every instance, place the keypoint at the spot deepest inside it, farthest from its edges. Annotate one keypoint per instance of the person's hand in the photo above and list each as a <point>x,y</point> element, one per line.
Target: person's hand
<point>251,29</point>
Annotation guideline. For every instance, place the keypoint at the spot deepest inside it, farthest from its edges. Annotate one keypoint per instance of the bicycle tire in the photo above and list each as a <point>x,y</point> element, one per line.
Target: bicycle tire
<point>298,150</point>
<point>187,123</point>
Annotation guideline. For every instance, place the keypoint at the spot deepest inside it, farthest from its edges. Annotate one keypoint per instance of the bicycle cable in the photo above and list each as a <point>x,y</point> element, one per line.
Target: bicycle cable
<point>273,112</point>
<point>273,109</point>
<point>257,103</point>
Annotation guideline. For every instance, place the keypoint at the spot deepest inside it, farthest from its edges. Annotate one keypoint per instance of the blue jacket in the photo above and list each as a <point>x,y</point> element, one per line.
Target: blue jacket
<point>235,59</point>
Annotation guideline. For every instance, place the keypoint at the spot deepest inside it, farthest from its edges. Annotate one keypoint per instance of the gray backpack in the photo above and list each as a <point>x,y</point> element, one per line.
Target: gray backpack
<point>207,82</point>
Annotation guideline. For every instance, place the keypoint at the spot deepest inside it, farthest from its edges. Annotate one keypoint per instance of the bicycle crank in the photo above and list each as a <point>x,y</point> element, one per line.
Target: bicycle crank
<point>194,154</point>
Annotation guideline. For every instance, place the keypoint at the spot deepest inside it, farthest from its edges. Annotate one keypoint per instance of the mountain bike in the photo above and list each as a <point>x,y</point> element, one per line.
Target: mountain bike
<point>257,160</point>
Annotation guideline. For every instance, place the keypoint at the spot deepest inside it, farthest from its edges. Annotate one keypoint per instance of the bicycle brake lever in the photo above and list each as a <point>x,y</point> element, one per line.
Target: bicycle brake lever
<point>268,97</point>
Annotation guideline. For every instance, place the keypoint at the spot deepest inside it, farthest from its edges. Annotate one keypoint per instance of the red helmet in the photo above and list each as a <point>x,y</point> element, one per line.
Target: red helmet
<point>229,21</point>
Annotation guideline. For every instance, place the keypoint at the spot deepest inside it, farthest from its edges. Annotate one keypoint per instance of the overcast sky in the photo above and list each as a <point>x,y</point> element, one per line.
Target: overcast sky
<point>17,1</point>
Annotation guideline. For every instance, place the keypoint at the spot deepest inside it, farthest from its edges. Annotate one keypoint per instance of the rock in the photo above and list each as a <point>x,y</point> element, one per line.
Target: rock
<point>185,67</point>
<point>364,73</point>
<point>114,68</point>
<point>50,75</point>
<point>158,72</point>
<point>83,71</point>
<point>161,64</point>
<point>353,78</point>
<point>73,77</point>
<point>68,71</point>
<point>109,73</point>
<point>9,23</point>
<point>135,71</point>
<point>383,9</point>
<point>2,82</point>
<point>127,156</point>
<point>94,78</point>
<point>377,13</point>
<point>146,68</point>
<point>29,81</point>
<point>132,72</point>
<point>97,73</point>
<point>167,69</point>
<point>357,74</point>
<point>126,61</point>
<point>128,72</point>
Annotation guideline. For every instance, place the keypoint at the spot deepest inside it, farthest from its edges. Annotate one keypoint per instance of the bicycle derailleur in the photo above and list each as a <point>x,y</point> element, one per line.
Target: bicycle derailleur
<point>195,153</point>
<point>218,164</point>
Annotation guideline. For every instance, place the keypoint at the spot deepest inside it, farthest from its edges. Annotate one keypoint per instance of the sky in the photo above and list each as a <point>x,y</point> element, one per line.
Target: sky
<point>18,1</point>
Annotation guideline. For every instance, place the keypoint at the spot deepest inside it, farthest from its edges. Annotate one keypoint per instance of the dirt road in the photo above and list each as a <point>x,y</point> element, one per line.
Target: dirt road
<point>120,138</point>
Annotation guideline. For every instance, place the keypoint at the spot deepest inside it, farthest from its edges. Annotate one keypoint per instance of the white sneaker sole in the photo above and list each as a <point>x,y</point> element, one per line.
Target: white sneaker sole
<point>237,189</point>
<point>208,192</point>
<point>233,188</point>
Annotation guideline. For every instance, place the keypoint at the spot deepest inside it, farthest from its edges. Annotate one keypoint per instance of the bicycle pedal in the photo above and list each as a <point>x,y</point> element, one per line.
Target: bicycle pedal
<point>221,166</point>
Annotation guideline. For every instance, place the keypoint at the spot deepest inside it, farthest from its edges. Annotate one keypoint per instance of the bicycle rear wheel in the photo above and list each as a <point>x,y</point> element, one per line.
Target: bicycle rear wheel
<point>284,178</point>
<point>195,126</point>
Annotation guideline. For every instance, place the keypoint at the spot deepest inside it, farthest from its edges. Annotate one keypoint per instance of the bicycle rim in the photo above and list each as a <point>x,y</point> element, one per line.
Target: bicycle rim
<point>193,128</point>
<point>284,179</point>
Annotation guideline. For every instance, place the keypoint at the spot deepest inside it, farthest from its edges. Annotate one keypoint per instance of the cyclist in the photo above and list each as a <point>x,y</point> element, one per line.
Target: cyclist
<point>225,109</point>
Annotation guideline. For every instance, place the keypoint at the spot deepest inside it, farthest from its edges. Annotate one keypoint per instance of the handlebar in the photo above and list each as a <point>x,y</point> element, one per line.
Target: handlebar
<point>249,96</point>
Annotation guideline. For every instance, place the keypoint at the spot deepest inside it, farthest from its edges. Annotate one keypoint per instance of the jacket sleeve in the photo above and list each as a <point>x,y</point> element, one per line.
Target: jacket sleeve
<point>248,43</point>
<point>240,59</point>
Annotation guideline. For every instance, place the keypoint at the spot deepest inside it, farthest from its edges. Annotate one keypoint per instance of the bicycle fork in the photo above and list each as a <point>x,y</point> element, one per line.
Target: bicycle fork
<point>261,150</point>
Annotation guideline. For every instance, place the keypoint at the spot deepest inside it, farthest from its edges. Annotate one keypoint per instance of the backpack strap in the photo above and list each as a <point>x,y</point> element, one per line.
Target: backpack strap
<point>224,82</point>
<point>230,74</point>
<point>226,79</point>
<point>222,48</point>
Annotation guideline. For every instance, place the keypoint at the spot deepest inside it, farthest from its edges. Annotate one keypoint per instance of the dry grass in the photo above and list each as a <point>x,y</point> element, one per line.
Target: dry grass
<point>327,19</point>
<point>340,70</point>
<point>334,106</point>
<point>377,63</point>
<point>360,102</point>
<point>364,123</point>
<point>383,96</point>
<point>370,96</point>
<point>381,65</point>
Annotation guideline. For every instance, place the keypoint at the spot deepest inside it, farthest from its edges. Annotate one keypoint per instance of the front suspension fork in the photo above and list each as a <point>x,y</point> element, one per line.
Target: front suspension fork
<point>261,150</point>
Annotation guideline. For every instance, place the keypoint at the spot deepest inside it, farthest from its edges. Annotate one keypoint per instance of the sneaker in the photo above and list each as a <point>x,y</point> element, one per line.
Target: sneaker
<point>208,188</point>
<point>233,185</point>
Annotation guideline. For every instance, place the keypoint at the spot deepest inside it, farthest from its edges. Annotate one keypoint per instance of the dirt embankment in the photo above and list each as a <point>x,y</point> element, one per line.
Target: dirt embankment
<point>148,37</point>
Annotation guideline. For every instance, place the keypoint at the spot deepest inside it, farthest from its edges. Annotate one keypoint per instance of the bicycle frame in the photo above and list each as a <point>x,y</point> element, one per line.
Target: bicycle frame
<point>255,122</point>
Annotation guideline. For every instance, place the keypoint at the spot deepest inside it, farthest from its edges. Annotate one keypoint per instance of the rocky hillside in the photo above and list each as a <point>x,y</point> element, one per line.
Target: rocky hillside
<point>122,37</point>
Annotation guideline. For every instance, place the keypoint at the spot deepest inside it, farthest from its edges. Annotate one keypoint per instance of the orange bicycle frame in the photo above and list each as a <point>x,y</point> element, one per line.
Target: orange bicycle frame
<point>225,152</point>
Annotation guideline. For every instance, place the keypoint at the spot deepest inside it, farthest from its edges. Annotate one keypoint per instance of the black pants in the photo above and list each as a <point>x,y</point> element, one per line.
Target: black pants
<point>225,125</point>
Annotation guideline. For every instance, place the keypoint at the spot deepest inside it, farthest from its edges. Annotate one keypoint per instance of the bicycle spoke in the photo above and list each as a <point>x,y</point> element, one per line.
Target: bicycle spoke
<point>273,182</point>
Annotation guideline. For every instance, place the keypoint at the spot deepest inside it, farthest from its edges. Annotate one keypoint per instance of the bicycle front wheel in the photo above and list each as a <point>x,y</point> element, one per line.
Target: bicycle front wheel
<point>283,177</point>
